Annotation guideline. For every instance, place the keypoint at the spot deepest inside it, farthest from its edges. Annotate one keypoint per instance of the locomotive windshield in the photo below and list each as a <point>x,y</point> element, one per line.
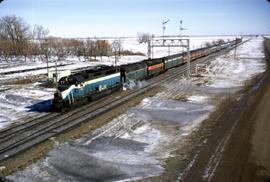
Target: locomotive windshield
<point>68,81</point>
<point>65,82</point>
<point>62,87</point>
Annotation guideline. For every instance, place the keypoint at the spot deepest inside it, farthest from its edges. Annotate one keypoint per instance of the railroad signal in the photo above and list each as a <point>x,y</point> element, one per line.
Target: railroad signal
<point>163,27</point>
<point>181,28</point>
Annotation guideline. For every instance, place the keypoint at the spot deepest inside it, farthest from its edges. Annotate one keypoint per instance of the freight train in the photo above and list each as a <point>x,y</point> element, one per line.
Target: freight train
<point>92,84</point>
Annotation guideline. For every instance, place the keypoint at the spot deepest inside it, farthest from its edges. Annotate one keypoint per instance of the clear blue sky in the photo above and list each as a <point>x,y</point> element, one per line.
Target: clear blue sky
<point>83,18</point>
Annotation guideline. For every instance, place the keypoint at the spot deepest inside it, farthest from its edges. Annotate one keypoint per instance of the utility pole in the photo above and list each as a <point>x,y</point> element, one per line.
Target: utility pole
<point>115,58</point>
<point>164,28</point>
<point>149,48</point>
<point>56,76</point>
<point>188,61</point>
<point>47,57</point>
<point>235,48</point>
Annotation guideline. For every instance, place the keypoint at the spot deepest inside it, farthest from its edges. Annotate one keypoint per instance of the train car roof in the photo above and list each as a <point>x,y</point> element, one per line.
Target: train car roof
<point>89,74</point>
<point>174,56</point>
<point>153,61</point>
<point>134,66</point>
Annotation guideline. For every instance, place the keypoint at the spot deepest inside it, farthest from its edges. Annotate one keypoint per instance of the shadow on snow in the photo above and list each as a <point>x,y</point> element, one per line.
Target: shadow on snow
<point>43,106</point>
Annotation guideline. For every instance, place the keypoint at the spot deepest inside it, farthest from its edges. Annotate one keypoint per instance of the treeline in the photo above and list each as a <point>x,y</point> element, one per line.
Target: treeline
<point>215,42</point>
<point>19,40</point>
<point>88,48</point>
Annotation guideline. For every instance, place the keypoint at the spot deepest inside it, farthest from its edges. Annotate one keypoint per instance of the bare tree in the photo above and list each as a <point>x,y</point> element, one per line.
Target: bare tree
<point>103,48</point>
<point>220,41</point>
<point>14,28</point>
<point>116,48</point>
<point>16,38</point>
<point>73,46</point>
<point>80,49</point>
<point>89,49</point>
<point>207,44</point>
<point>39,32</point>
<point>6,48</point>
<point>39,36</point>
<point>58,48</point>
<point>143,37</point>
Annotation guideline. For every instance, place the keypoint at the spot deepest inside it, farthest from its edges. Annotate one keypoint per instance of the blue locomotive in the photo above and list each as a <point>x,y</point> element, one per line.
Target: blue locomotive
<point>86,86</point>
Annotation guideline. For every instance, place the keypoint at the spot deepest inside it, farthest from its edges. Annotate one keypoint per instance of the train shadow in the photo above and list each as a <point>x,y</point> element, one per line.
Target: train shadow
<point>43,106</point>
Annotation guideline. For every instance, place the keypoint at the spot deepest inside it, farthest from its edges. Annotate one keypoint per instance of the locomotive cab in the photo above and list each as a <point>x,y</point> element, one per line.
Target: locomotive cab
<point>86,86</point>
<point>64,84</point>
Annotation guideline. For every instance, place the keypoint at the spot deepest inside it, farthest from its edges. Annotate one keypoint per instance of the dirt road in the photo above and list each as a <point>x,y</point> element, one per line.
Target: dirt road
<point>239,146</point>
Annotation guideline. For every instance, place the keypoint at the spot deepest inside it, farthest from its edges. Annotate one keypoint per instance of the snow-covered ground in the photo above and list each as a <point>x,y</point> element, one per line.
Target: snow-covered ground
<point>16,103</point>
<point>130,44</point>
<point>20,102</point>
<point>135,144</point>
<point>195,42</point>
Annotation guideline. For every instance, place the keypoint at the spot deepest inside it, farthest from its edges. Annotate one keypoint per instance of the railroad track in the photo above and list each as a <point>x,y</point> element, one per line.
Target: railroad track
<point>31,69</point>
<point>21,137</point>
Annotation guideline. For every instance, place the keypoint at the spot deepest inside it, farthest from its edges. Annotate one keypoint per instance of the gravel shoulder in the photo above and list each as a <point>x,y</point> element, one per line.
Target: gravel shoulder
<point>246,157</point>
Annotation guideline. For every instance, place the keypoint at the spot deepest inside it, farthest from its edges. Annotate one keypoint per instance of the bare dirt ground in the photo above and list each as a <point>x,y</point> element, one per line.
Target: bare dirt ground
<point>247,156</point>
<point>238,148</point>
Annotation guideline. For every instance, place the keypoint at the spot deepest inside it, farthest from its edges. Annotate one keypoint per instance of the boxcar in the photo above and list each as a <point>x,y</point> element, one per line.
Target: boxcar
<point>134,72</point>
<point>154,66</point>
